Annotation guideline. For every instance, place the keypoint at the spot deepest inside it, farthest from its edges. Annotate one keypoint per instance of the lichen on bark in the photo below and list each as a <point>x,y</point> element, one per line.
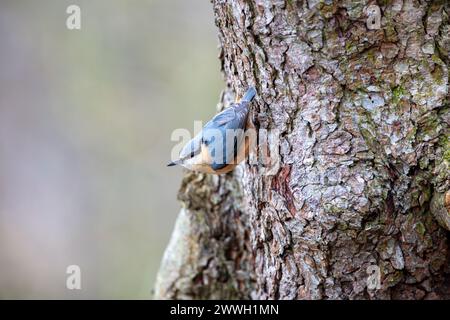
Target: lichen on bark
<point>363,115</point>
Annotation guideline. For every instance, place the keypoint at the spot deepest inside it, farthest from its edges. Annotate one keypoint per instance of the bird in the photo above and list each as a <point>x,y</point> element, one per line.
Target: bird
<point>221,145</point>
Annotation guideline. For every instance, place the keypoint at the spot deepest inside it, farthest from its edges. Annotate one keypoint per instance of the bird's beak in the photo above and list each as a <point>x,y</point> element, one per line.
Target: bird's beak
<point>173,163</point>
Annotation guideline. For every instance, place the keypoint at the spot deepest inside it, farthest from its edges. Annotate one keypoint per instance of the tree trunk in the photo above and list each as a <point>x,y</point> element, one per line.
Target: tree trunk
<point>358,91</point>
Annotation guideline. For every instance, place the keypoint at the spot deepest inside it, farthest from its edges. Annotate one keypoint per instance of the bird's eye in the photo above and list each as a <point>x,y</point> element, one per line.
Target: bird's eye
<point>208,141</point>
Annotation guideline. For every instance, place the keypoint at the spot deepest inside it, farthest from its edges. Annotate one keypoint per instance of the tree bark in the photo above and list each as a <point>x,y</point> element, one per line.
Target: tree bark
<point>358,91</point>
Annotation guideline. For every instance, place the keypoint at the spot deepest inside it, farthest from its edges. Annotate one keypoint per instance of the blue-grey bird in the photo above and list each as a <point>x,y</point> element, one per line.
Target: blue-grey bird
<point>221,145</point>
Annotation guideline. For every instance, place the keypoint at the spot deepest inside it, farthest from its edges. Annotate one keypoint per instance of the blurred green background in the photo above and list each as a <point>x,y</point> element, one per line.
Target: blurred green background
<point>85,123</point>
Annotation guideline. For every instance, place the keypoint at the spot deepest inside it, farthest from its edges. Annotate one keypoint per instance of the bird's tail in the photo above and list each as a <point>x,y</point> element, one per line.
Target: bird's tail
<point>249,95</point>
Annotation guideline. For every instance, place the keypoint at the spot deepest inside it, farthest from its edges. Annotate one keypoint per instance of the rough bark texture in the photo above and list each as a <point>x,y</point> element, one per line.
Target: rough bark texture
<point>364,152</point>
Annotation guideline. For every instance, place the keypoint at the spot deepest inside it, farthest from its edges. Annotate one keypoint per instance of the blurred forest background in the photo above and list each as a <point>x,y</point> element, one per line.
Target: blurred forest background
<point>85,124</point>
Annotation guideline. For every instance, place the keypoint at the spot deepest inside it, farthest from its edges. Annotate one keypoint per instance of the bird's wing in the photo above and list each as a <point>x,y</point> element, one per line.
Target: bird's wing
<point>231,119</point>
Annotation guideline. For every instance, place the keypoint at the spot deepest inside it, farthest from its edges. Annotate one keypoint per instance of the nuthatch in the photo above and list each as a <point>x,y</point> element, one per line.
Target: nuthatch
<point>221,145</point>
